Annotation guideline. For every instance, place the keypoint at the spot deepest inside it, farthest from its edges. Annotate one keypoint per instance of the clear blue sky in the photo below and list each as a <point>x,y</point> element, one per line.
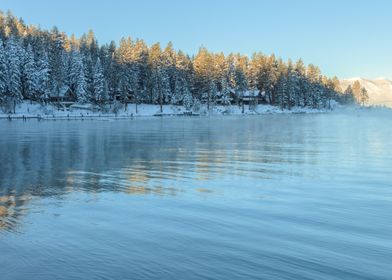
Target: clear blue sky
<point>345,38</point>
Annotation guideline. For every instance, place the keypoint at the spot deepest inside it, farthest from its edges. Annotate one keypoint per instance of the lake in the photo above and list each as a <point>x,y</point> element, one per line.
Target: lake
<point>233,197</point>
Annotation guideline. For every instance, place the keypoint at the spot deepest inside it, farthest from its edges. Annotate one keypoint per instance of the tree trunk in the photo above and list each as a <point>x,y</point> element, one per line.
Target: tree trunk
<point>136,102</point>
<point>208,101</point>
<point>273,98</point>
<point>160,102</point>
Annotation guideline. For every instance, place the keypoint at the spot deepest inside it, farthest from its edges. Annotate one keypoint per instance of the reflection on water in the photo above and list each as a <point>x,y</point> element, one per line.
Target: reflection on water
<point>284,197</point>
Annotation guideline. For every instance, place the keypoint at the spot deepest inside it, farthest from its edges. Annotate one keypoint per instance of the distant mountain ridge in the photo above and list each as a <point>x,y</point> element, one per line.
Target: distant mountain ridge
<point>379,90</point>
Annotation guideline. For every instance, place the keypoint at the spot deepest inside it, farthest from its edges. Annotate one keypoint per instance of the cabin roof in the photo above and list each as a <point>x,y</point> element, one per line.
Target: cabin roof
<point>63,92</point>
<point>254,92</point>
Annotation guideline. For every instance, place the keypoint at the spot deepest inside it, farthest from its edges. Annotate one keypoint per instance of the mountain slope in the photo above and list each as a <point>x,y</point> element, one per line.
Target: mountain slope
<point>379,90</point>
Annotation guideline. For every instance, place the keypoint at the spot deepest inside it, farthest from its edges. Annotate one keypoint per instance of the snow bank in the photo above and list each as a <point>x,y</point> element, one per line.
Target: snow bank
<point>87,111</point>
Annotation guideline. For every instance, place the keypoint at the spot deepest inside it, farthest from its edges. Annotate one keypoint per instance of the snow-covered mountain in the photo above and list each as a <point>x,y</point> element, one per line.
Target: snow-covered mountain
<point>379,90</point>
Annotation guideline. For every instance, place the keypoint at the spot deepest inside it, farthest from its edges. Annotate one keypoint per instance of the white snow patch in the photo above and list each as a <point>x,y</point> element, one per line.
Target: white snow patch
<point>29,109</point>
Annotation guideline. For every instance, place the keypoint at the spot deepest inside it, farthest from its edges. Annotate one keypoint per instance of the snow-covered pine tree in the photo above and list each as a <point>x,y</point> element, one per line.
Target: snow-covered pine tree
<point>241,85</point>
<point>231,77</point>
<point>73,69</point>
<point>187,99</point>
<point>56,63</point>
<point>151,75</point>
<point>129,84</point>
<point>14,81</point>
<point>123,58</point>
<point>225,92</point>
<point>257,74</point>
<point>140,66</point>
<point>178,93</point>
<point>168,59</point>
<point>100,94</point>
<point>183,79</point>
<point>3,73</point>
<point>92,45</point>
<point>271,78</point>
<point>42,89</point>
<point>319,96</point>
<point>313,82</point>
<point>326,92</point>
<point>160,86</point>
<point>164,80</point>
<point>292,86</point>
<point>220,69</point>
<point>213,90</point>
<point>89,76</point>
<point>281,91</point>
<point>81,86</point>
<point>300,98</point>
<point>331,92</point>
<point>203,65</point>
<point>29,74</point>
<point>110,67</point>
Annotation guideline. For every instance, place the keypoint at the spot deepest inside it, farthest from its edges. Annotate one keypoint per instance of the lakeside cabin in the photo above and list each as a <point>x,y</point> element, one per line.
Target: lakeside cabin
<point>127,98</point>
<point>249,97</point>
<point>65,97</point>
<point>252,97</point>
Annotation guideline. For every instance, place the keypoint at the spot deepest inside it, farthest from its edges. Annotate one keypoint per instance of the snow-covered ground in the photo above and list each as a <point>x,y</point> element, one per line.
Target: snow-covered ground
<point>36,110</point>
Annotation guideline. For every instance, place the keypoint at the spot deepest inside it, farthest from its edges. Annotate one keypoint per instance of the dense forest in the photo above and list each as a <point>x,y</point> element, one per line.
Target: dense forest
<point>39,65</point>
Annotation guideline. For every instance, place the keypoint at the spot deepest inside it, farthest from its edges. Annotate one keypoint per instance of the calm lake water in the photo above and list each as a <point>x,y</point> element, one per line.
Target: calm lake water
<point>258,197</point>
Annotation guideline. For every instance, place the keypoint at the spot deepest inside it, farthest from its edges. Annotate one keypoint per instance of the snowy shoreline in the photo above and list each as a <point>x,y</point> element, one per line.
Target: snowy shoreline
<point>27,110</point>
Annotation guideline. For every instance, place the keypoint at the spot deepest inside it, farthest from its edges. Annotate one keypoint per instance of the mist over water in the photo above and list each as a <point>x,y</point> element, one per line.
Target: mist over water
<point>242,197</point>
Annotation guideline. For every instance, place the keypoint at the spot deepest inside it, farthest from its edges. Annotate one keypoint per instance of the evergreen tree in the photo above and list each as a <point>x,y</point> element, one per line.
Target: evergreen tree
<point>281,91</point>
<point>140,66</point>
<point>3,73</point>
<point>75,62</point>
<point>179,89</point>
<point>100,89</point>
<point>336,85</point>
<point>56,63</point>
<point>213,92</point>
<point>81,86</point>
<point>169,64</point>
<point>35,63</point>
<point>225,92</point>
<point>165,89</point>
<point>357,91</point>
<point>271,78</point>
<point>301,84</point>
<point>364,98</point>
<point>187,100</point>
<point>110,68</point>
<point>313,86</point>
<point>348,96</point>
<point>203,64</point>
<point>14,81</point>
<point>29,75</point>
<point>42,79</point>
<point>241,85</point>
